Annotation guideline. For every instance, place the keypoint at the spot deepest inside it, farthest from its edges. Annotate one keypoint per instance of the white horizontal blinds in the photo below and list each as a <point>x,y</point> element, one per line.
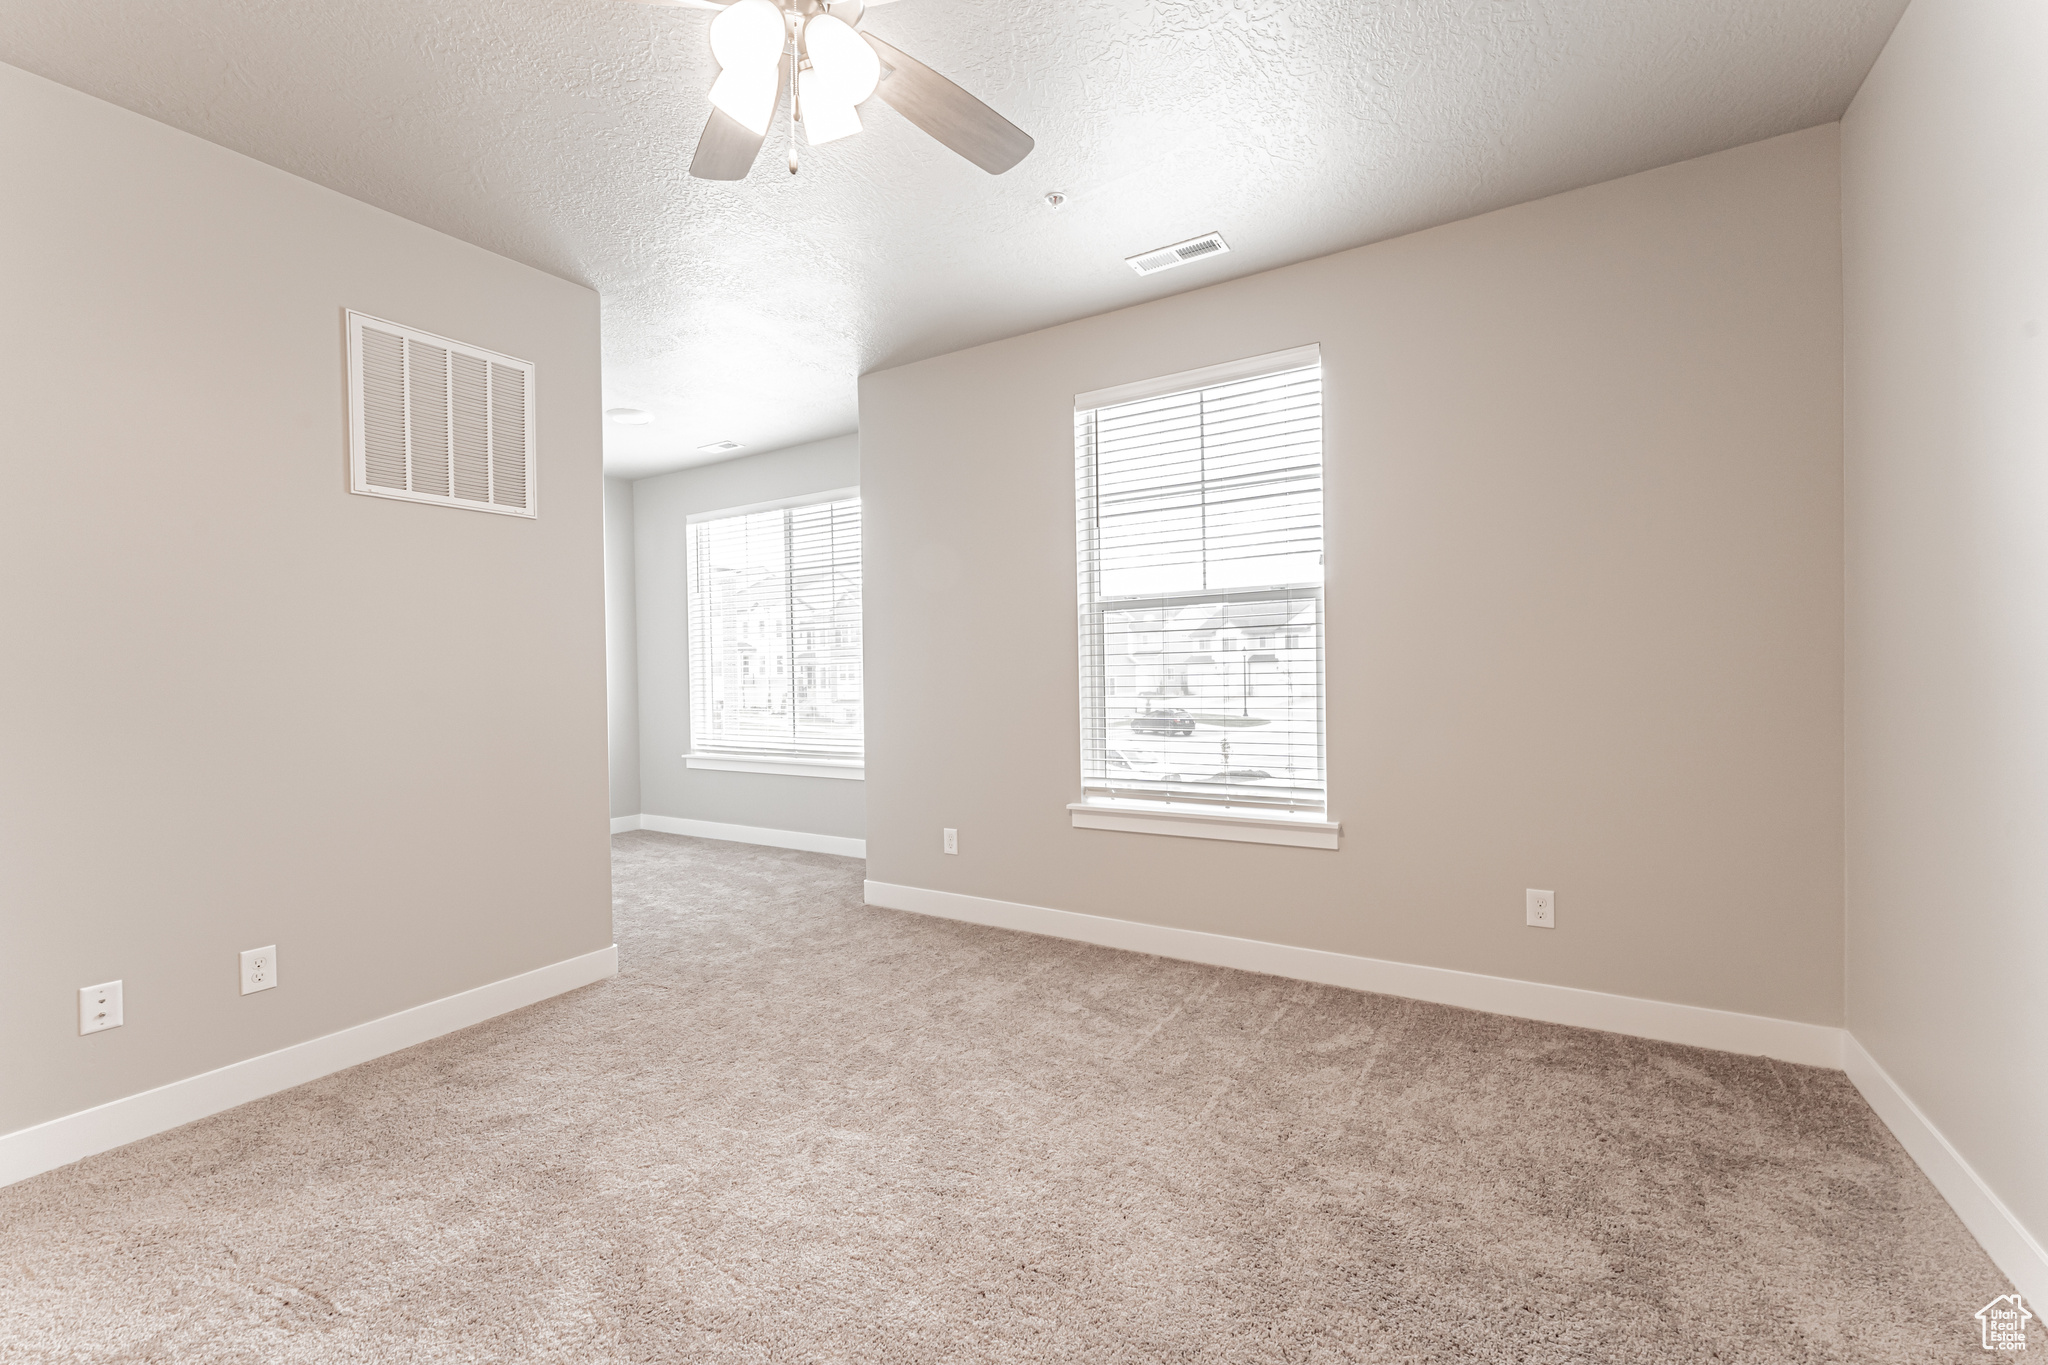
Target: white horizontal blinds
<point>1201,544</point>
<point>438,421</point>
<point>775,656</point>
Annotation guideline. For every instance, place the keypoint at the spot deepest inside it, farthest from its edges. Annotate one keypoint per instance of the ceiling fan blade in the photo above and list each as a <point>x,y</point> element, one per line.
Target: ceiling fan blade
<point>949,113</point>
<point>727,147</point>
<point>726,150</point>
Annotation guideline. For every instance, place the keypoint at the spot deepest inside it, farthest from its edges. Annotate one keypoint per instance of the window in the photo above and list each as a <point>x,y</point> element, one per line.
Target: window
<point>775,662</point>
<point>1201,571</point>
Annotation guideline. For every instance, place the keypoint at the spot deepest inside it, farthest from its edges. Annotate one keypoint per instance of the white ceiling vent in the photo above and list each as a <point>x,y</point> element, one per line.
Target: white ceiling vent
<point>434,420</point>
<point>1180,253</point>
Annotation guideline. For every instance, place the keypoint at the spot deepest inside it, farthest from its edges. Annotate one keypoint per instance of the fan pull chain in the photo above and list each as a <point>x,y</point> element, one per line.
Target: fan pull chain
<point>796,81</point>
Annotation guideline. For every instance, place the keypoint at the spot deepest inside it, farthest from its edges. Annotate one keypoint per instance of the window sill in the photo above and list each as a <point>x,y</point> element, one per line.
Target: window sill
<point>1134,817</point>
<point>851,769</point>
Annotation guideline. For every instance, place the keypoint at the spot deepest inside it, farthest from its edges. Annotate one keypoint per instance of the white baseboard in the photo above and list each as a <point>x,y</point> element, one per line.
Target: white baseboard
<point>30,1151</point>
<point>745,834</point>
<point>2004,1238</point>
<point>1786,1039</point>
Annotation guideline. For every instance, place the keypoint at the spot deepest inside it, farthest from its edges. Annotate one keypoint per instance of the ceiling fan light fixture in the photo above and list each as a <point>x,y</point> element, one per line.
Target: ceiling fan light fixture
<point>748,34</point>
<point>826,117</point>
<point>841,62</point>
<point>748,95</point>
<point>813,46</point>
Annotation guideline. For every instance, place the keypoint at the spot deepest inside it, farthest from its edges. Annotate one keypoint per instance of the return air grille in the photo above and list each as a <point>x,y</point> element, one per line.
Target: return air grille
<point>434,420</point>
<point>1180,253</point>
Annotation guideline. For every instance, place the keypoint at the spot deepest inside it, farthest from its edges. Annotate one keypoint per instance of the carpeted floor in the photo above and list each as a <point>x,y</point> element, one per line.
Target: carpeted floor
<point>794,1129</point>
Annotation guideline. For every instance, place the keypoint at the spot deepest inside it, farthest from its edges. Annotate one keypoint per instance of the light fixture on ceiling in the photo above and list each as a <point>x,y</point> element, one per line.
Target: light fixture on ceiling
<point>1180,253</point>
<point>746,42</point>
<point>720,448</point>
<point>629,417</point>
<point>841,72</point>
<point>760,44</point>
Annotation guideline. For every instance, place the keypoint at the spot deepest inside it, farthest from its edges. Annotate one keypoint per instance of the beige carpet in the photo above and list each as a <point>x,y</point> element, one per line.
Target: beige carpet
<point>794,1129</point>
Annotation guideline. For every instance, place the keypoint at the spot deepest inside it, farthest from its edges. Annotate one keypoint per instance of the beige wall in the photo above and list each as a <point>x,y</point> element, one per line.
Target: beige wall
<point>662,507</point>
<point>1584,511</point>
<point>242,706</point>
<point>621,649</point>
<point>1945,223</point>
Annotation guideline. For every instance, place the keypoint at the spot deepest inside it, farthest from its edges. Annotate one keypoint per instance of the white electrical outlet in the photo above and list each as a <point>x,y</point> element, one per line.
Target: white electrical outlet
<point>952,841</point>
<point>259,969</point>
<point>99,1008</point>
<point>1543,909</point>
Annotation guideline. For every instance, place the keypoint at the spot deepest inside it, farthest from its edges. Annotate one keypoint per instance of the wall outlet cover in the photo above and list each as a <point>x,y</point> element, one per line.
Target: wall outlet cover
<point>1542,909</point>
<point>259,969</point>
<point>99,1007</point>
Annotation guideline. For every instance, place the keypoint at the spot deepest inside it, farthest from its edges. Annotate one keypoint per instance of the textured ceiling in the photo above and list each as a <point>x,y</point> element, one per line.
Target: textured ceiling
<point>558,132</point>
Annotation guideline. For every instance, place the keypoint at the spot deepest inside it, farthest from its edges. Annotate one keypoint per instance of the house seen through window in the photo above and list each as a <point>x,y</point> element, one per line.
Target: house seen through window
<point>775,657</point>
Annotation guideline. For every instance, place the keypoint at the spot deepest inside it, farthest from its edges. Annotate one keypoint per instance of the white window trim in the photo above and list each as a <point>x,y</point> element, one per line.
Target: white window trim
<point>774,504</point>
<point>1292,829</point>
<point>1187,822</point>
<point>780,765</point>
<point>853,768</point>
<point>1229,372</point>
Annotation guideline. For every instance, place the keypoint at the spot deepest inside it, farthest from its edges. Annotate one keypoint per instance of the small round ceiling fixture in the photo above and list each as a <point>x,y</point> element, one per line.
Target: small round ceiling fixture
<point>629,417</point>
<point>1054,199</point>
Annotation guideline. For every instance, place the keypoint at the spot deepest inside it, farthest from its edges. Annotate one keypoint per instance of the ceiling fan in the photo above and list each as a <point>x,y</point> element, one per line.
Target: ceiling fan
<point>760,43</point>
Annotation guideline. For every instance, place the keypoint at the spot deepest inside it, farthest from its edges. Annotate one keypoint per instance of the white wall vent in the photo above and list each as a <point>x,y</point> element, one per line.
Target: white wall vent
<point>434,420</point>
<point>1180,253</point>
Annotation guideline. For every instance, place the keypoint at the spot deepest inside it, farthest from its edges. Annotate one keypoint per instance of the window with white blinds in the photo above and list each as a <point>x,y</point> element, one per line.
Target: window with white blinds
<point>1201,549</point>
<point>775,661</point>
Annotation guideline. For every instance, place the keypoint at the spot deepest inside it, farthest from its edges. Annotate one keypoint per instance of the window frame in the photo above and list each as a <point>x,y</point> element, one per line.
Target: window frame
<point>1149,809</point>
<point>793,761</point>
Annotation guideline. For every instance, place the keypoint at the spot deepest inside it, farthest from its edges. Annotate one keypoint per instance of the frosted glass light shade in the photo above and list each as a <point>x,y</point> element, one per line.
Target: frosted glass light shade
<point>827,117</point>
<point>841,60</point>
<point>748,35</point>
<point>746,95</point>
